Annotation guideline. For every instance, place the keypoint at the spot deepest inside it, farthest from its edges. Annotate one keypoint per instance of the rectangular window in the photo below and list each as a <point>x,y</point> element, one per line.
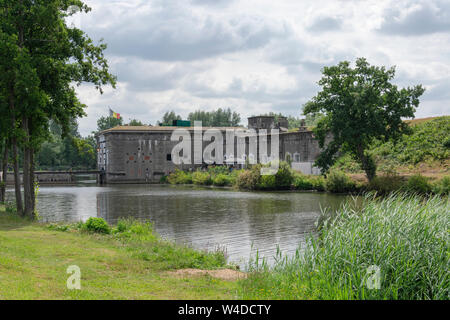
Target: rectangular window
<point>169,157</point>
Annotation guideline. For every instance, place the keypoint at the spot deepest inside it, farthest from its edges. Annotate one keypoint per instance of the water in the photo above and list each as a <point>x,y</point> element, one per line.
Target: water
<point>202,217</point>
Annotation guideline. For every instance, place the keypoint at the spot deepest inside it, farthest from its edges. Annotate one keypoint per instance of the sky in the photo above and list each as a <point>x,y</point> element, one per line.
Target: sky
<point>258,56</point>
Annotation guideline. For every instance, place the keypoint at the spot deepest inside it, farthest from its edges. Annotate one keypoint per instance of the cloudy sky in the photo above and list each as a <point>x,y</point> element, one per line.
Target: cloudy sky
<point>257,56</point>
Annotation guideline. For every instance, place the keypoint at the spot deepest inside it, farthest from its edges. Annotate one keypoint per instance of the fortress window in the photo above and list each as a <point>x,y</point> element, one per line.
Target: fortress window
<point>169,157</point>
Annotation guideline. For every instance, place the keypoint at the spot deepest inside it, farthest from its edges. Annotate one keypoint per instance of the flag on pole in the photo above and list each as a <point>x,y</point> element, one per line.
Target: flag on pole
<point>114,114</point>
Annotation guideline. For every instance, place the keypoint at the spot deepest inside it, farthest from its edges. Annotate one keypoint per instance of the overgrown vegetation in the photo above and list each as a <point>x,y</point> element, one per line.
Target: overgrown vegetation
<point>427,143</point>
<point>336,181</point>
<point>404,237</point>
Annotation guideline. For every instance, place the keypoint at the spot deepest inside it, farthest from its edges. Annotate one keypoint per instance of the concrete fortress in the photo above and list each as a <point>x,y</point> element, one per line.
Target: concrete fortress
<point>143,154</point>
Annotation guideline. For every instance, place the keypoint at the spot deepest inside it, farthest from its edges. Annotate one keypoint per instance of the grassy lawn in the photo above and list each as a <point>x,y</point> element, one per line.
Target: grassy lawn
<point>34,260</point>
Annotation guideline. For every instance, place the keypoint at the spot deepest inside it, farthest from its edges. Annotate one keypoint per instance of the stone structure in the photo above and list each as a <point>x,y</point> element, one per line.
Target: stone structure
<point>128,154</point>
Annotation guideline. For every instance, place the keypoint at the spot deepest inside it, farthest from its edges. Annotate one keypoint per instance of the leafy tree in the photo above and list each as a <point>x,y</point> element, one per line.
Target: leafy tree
<point>134,122</point>
<point>168,118</point>
<point>41,59</point>
<point>359,104</point>
<point>217,118</point>
<point>105,123</point>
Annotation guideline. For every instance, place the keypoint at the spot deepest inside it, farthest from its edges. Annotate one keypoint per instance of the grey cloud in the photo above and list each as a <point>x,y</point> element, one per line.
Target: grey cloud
<point>172,33</point>
<point>324,24</point>
<point>431,17</point>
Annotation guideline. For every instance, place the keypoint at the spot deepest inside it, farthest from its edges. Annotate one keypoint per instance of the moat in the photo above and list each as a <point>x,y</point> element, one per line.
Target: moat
<point>202,217</point>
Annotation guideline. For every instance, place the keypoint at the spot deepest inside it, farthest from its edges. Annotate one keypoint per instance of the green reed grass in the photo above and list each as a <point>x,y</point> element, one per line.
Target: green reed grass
<point>406,236</point>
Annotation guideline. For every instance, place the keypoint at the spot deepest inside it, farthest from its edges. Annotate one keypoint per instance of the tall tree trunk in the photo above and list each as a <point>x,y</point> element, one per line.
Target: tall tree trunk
<point>26,169</point>
<point>15,154</point>
<point>32,187</point>
<point>4,172</point>
<point>17,190</point>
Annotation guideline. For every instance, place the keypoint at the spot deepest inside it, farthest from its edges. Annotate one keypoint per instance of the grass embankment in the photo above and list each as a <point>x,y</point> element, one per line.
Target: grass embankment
<point>406,237</point>
<point>128,262</point>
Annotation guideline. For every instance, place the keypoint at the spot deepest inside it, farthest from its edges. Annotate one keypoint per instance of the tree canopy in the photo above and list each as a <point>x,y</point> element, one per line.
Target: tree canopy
<point>359,104</point>
<point>217,118</point>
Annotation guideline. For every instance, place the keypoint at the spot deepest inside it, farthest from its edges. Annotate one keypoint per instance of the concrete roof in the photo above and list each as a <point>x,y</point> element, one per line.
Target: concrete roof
<point>158,129</point>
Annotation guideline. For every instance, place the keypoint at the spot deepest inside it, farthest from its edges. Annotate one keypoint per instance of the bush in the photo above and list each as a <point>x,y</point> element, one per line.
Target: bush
<point>418,184</point>
<point>97,225</point>
<point>337,181</point>
<point>284,176</point>
<point>442,186</point>
<point>222,180</point>
<point>304,182</point>
<point>179,177</point>
<point>201,178</point>
<point>267,182</point>
<point>386,184</point>
<point>249,179</point>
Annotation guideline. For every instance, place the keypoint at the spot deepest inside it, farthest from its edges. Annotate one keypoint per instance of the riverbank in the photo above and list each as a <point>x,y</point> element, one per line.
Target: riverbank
<point>133,264</point>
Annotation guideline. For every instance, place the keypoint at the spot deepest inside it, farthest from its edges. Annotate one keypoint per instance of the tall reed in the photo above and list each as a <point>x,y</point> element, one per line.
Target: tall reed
<point>405,237</point>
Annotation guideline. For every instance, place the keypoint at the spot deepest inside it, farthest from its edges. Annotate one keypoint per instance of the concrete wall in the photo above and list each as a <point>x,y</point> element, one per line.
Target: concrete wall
<point>145,156</point>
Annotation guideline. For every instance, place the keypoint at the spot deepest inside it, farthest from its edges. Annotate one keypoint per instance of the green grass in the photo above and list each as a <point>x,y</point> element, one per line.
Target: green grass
<point>407,237</point>
<point>128,264</point>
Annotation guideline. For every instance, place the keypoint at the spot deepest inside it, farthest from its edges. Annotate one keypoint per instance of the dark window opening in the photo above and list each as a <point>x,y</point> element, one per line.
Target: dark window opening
<point>169,157</point>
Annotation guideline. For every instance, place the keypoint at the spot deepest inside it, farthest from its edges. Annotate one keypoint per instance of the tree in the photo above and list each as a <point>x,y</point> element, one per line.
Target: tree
<point>40,60</point>
<point>105,123</point>
<point>168,118</point>
<point>135,123</point>
<point>216,118</point>
<point>359,104</point>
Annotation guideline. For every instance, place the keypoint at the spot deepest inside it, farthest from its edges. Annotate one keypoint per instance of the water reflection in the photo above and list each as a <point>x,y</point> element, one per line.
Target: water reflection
<point>203,218</point>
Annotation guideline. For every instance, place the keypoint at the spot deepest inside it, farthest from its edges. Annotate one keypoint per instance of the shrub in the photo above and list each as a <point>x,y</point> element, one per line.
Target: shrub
<point>164,179</point>
<point>97,225</point>
<point>179,177</point>
<point>337,181</point>
<point>267,182</point>
<point>442,186</point>
<point>418,184</point>
<point>284,176</point>
<point>304,182</point>
<point>201,178</point>
<point>222,180</point>
<point>386,184</point>
<point>249,179</point>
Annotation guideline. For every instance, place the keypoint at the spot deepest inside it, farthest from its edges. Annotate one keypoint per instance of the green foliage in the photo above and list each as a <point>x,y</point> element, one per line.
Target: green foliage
<point>359,104</point>
<point>105,123</point>
<point>135,123</point>
<point>426,141</point>
<point>304,182</point>
<point>96,225</point>
<point>223,180</point>
<point>249,179</point>
<point>201,178</point>
<point>405,236</point>
<point>338,182</point>
<point>179,177</point>
<point>442,186</point>
<point>168,118</point>
<point>418,184</point>
<point>218,118</point>
<point>386,184</point>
